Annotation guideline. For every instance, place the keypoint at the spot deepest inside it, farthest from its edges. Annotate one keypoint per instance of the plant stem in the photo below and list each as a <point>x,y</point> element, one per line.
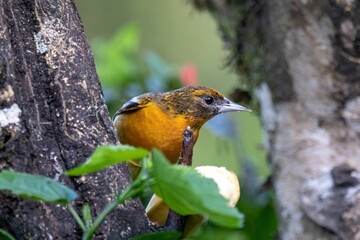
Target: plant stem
<point>131,191</point>
<point>77,217</point>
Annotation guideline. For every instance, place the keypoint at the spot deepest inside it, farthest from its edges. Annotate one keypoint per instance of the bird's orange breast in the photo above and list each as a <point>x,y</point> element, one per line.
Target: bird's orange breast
<point>150,127</point>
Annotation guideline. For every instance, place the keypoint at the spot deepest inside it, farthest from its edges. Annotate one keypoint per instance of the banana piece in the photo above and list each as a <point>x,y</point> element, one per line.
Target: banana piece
<point>227,182</point>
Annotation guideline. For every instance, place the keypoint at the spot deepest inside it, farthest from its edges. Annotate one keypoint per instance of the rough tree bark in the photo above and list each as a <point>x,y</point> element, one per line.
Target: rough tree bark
<point>52,116</point>
<point>301,59</point>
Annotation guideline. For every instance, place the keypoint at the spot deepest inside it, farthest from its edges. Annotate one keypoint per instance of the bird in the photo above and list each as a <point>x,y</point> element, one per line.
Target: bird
<point>157,120</point>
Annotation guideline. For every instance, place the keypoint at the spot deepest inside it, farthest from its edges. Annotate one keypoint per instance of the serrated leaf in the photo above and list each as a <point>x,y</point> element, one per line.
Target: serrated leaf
<point>159,236</point>
<point>187,192</point>
<point>4,235</point>
<point>106,156</point>
<point>36,187</point>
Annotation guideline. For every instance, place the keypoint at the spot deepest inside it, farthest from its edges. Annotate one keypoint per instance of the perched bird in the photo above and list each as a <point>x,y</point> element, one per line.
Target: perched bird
<point>157,120</point>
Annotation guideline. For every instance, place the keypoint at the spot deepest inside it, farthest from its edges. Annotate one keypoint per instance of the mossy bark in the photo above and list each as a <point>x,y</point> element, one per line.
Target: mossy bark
<point>305,57</point>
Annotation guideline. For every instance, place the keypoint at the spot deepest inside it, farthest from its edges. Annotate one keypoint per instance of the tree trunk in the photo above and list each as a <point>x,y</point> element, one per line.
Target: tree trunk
<point>52,117</point>
<point>302,61</point>
<point>317,128</point>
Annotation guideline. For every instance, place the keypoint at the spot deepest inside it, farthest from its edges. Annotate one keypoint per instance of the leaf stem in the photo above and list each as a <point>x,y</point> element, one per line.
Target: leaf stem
<point>131,191</point>
<point>77,217</point>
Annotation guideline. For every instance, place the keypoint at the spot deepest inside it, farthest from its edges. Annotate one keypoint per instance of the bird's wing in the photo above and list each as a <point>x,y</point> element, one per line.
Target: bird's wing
<point>133,104</point>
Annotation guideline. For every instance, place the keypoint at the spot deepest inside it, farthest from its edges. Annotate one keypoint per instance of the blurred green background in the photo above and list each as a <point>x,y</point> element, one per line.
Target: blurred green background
<point>142,46</point>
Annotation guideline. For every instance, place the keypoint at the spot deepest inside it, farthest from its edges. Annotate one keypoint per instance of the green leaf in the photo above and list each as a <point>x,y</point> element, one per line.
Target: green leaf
<point>116,61</point>
<point>187,192</point>
<point>36,187</point>
<point>159,236</point>
<point>4,235</point>
<point>86,214</point>
<point>106,156</point>
<point>212,232</point>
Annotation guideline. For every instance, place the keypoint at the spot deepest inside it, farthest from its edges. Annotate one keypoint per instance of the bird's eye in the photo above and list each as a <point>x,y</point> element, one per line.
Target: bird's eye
<point>208,100</point>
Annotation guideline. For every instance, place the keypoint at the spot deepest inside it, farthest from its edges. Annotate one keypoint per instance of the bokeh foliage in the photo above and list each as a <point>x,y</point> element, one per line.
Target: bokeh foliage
<point>125,72</point>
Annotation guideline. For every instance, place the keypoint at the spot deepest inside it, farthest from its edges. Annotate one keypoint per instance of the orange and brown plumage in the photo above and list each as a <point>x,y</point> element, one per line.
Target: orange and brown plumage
<point>157,120</point>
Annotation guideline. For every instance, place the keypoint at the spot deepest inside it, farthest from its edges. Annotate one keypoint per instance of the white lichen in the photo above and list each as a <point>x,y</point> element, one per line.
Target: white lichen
<point>48,37</point>
<point>41,46</point>
<point>268,115</point>
<point>10,115</point>
<point>56,165</point>
<point>267,111</point>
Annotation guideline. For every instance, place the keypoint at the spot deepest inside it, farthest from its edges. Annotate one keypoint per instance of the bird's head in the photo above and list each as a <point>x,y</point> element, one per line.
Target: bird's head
<point>199,104</point>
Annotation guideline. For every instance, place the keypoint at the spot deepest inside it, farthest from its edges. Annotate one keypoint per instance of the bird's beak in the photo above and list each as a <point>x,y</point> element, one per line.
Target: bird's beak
<point>230,106</point>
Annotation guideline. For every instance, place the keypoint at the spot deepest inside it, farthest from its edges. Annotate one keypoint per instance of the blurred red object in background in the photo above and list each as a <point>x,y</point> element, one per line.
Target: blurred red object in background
<point>188,74</point>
